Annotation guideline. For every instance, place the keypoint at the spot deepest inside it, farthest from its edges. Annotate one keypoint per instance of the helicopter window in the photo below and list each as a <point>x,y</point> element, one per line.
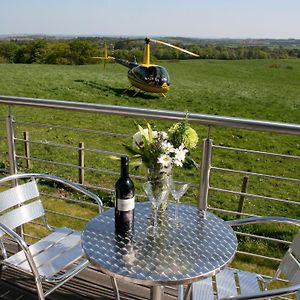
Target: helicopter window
<point>158,75</point>
<point>141,72</point>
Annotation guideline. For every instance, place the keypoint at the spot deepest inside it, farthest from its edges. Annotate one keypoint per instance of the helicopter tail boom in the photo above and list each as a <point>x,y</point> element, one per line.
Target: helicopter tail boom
<point>126,63</point>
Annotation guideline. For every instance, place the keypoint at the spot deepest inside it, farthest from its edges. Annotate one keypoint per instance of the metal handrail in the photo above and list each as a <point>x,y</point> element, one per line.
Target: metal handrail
<point>204,119</point>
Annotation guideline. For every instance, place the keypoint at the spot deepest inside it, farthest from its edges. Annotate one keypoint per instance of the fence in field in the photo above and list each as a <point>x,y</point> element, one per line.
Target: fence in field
<point>233,181</point>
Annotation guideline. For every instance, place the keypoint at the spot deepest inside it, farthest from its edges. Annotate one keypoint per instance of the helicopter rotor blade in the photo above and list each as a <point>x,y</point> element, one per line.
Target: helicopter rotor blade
<point>173,46</point>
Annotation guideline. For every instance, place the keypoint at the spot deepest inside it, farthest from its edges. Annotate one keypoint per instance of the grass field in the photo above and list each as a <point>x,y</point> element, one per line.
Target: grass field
<point>257,89</point>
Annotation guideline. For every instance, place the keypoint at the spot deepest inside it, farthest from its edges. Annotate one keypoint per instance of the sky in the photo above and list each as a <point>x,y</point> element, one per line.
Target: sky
<point>185,18</point>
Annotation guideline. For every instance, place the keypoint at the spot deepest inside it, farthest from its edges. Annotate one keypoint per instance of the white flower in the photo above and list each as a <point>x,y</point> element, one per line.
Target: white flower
<point>180,155</point>
<point>167,147</point>
<point>138,138</point>
<point>164,135</point>
<point>165,160</point>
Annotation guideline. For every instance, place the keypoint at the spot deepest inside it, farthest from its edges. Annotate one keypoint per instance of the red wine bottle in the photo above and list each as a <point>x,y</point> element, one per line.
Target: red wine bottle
<point>125,202</point>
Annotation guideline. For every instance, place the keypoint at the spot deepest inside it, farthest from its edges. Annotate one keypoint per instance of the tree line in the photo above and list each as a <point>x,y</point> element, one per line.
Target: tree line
<point>80,51</point>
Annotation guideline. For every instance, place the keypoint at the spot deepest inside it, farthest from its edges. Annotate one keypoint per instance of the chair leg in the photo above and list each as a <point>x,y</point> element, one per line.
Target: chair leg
<point>40,290</point>
<point>180,292</point>
<point>188,292</point>
<point>115,287</point>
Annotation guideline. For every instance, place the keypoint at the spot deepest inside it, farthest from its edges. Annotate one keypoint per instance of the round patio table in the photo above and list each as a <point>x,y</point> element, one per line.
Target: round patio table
<point>202,246</point>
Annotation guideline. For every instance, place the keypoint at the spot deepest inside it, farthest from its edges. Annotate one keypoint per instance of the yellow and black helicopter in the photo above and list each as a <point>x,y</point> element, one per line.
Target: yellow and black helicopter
<point>146,76</point>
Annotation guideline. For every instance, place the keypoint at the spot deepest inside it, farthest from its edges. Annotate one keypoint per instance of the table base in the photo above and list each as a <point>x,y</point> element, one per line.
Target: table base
<point>157,292</point>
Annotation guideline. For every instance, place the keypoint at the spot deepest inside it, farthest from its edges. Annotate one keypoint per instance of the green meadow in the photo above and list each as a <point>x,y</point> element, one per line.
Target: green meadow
<point>256,89</point>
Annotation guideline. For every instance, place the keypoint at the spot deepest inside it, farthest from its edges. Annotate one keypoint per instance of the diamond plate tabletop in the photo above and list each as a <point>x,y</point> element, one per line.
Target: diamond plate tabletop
<point>176,255</point>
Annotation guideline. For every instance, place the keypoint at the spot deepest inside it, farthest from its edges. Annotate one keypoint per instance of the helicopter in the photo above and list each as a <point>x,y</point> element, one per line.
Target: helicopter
<point>146,77</point>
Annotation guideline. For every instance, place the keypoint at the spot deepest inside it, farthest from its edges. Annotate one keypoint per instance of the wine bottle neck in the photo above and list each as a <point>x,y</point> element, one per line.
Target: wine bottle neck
<point>124,166</point>
<point>124,171</point>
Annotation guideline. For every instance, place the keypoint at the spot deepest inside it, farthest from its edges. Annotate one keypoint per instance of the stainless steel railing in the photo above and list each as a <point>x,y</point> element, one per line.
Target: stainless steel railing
<point>203,183</point>
<point>204,119</point>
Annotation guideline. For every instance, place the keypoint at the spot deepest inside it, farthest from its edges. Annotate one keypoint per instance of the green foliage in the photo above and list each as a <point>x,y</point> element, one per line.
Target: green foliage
<point>79,51</point>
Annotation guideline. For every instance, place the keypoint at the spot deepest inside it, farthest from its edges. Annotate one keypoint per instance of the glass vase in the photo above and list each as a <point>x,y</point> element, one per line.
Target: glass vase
<point>159,181</point>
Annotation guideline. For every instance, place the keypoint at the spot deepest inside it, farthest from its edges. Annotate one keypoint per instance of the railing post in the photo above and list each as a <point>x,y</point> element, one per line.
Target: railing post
<point>81,163</point>
<point>11,144</point>
<point>242,197</point>
<point>10,136</point>
<point>27,149</point>
<point>205,172</point>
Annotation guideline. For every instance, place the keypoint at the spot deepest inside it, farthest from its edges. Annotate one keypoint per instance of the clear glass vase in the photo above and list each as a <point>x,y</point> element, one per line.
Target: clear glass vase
<point>159,181</point>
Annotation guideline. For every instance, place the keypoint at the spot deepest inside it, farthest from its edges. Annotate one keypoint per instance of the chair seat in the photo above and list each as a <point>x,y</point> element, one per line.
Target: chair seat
<point>229,282</point>
<point>51,254</point>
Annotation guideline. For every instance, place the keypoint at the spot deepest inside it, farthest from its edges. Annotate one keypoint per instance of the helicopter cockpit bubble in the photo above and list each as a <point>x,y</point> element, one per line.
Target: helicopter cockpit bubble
<point>154,75</point>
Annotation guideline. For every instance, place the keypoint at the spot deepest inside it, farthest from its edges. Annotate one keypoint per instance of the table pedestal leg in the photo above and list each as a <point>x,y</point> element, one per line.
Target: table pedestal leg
<point>157,292</point>
<point>115,287</point>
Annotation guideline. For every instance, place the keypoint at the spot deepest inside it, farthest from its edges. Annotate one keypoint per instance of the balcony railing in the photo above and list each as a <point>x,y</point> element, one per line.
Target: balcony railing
<point>242,172</point>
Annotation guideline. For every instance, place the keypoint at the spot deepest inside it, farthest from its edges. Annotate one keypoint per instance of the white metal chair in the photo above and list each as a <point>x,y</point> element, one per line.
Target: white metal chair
<point>237,284</point>
<point>57,257</point>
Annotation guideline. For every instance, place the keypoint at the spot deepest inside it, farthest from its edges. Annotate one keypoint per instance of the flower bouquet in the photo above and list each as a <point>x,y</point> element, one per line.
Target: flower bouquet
<point>159,151</point>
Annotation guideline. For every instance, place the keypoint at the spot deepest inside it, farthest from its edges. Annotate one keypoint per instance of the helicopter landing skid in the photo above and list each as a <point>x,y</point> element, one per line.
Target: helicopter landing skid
<point>128,89</point>
<point>131,88</point>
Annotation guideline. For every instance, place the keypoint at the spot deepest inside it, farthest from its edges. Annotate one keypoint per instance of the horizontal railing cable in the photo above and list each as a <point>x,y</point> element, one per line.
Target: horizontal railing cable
<point>71,147</point>
<point>231,212</point>
<point>256,152</point>
<point>66,215</point>
<point>69,199</point>
<point>74,129</point>
<point>260,237</point>
<point>68,165</point>
<point>259,256</point>
<point>106,171</point>
<point>254,196</point>
<point>256,174</point>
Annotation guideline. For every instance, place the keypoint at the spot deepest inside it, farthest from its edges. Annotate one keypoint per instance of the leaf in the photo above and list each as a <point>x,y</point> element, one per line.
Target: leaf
<point>189,163</point>
<point>150,133</point>
<point>113,157</point>
<point>131,151</point>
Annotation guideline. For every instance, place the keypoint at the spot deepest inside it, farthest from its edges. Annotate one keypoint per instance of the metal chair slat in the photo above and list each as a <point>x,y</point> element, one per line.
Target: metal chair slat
<point>41,245</point>
<point>290,267</point>
<point>61,262</point>
<point>203,289</point>
<point>22,215</point>
<point>248,282</point>
<point>295,246</point>
<point>226,283</point>
<point>54,251</point>
<point>18,194</point>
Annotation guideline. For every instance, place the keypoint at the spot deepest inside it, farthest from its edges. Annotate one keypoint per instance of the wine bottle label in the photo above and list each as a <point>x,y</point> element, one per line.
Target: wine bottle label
<point>125,204</point>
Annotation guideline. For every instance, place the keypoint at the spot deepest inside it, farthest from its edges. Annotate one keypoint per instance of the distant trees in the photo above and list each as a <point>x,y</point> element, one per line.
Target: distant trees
<point>80,50</point>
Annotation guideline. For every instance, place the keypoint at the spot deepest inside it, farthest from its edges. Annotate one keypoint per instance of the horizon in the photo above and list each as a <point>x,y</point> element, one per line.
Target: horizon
<point>218,19</point>
<point>137,36</point>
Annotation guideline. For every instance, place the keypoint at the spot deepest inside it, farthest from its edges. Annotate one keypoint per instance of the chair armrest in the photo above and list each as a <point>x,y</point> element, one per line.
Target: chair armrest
<point>255,220</point>
<point>23,246</point>
<point>267,294</point>
<point>14,236</point>
<point>65,182</point>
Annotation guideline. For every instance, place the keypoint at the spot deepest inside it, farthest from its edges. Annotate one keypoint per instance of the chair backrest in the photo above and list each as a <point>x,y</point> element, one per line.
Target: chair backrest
<point>13,207</point>
<point>290,264</point>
